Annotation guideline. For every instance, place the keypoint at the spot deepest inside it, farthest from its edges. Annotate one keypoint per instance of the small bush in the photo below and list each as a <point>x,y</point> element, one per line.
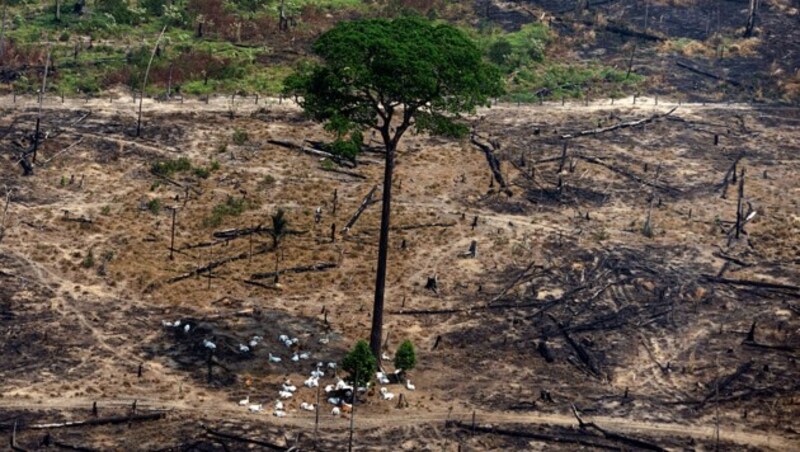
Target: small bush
<point>106,210</point>
<point>232,207</point>
<point>169,167</point>
<point>88,260</point>
<point>240,137</point>
<point>266,182</point>
<point>222,148</point>
<point>361,361</point>
<point>214,165</point>
<point>154,206</point>
<point>406,357</point>
<point>202,172</point>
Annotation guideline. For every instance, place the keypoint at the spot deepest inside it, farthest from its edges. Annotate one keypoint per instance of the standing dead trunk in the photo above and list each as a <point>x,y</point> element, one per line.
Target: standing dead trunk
<point>5,213</point>
<point>39,113</point>
<point>58,10</point>
<point>144,82</point>
<point>751,18</point>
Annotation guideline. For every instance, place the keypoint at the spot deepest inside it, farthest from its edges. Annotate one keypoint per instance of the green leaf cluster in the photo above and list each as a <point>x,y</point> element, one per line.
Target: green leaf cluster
<point>375,70</point>
<point>360,361</point>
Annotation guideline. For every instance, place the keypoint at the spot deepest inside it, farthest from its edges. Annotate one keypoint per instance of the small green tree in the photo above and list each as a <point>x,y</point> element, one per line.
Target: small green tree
<point>406,357</point>
<point>360,361</point>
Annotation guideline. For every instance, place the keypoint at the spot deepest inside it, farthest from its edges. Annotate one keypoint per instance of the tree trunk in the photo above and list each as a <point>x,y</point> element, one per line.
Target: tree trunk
<point>58,10</point>
<point>751,19</point>
<point>376,336</point>
<point>3,34</point>
<point>283,23</point>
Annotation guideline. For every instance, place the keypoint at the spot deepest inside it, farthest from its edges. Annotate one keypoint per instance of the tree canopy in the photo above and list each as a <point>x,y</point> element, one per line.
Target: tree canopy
<point>371,69</point>
<point>406,357</point>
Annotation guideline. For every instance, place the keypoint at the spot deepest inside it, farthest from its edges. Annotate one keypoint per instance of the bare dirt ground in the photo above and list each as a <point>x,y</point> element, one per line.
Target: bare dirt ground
<point>567,303</point>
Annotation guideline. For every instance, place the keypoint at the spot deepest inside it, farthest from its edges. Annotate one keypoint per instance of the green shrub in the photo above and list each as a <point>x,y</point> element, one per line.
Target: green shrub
<point>201,172</point>
<point>154,206</point>
<point>266,182</point>
<point>240,137</point>
<point>214,165</point>
<point>106,210</point>
<point>406,357</point>
<point>169,167</point>
<point>360,361</point>
<point>88,260</point>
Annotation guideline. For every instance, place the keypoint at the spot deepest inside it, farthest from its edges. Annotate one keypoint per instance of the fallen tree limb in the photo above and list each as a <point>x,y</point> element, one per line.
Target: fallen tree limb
<point>583,355</point>
<point>691,68</point>
<point>80,140</point>
<point>494,163</point>
<point>346,173</point>
<point>723,383</point>
<point>627,174</point>
<point>215,264</point>
<point>364,204</point>
<point>514,282</point>
<point>242,439</point>
<point>101,421</point>
<point>318,267</point>
<point>747,283</point>
<point>312,151</point>
<point>258,284</point>
<point>551,438</point>
<point>621,125</point>
<point>633,442</point>
<point>242,232</point>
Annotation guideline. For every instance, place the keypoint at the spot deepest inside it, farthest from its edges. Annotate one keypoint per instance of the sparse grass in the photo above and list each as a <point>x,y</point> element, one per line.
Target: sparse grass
<point>232,207</point>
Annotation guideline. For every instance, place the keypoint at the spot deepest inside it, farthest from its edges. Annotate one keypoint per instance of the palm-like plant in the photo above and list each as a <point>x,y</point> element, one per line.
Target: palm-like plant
<point>280,227</point>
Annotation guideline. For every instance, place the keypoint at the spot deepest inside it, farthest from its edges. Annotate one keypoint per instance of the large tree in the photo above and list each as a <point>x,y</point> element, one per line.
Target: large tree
<point>389,76</point>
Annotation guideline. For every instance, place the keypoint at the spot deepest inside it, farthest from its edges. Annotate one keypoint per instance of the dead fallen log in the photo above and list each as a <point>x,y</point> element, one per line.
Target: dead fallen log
<point>80,140</point>
<point>633,442</point>
<point>346,173</point>
<point>748,283</point>
<point>628,174</point>
<point>242,439</point>
<point>723,383</point>
<point>550,438</point>
<point>212,265</point>
<point>516,281</point>
<point>243,232</point>
<point>101,421</point>
<point>366,202</point>
<point>494,163</point>
<point>311,151</point>
<point>318,267</point>
<point>705,73</point>
<point>258,284</point>
<point>621,125</point>
<point>780,348</point>
<point>625,31</point>
<point>583,355</point>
